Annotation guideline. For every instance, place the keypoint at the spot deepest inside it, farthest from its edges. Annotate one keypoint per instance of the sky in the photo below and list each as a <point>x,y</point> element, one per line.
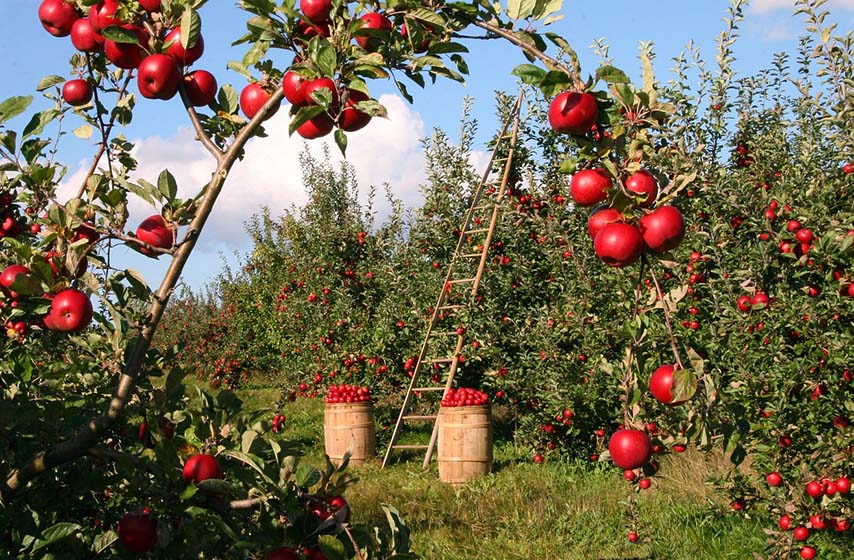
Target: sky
<point>387,151</point>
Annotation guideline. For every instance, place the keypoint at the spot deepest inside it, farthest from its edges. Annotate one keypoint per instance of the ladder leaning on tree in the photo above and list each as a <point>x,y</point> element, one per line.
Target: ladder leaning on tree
<point>461,272</point>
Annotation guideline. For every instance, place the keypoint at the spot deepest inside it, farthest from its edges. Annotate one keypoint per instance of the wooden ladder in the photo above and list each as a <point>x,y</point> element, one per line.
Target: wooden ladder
<point>454,278</point>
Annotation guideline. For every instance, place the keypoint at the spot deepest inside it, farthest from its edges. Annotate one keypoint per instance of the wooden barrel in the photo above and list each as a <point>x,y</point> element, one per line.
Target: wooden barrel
<point>344,423</point>
<point>464,443</point>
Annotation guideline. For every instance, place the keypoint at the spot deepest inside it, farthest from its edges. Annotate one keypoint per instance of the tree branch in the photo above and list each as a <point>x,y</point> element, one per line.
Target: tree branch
<point>87,437</point>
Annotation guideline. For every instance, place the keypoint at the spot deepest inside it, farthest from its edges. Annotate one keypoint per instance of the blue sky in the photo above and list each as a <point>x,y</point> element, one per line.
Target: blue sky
<point>385,152</point>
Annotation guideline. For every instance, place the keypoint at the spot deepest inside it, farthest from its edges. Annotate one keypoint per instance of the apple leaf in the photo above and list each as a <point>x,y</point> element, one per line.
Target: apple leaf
<point>611,75</point>
<point>167,185</point>
<point>427,16</point>
<point>49,82</point>
<point>545,8</point>
<point>9,140</point>
<point>104,541</point>
<point>191,27</point>
<point>520,9</point>
<point>447,47</point>
<point>120,35</point>
<point>307,476</point>
<point>529,74</point>
<point>684,385</point>
<point>39,121</point>
<point>341,141</point>
<point>554,82</point>
<point>14,106</point>
<point>55,534</point>
<point>303,115</point>
<point>227,99</point>
<point>84,132</point>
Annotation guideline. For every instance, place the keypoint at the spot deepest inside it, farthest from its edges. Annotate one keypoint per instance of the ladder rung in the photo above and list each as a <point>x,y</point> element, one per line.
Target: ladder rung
<point>421,389</point>
<point>420,417</point>
<point>442,360</point>
<point>471,255</point>
<point>409,446</point>
<point>450,307</point>
<point>478,230</point>
<point>461,281</point>
<point>445,333</point>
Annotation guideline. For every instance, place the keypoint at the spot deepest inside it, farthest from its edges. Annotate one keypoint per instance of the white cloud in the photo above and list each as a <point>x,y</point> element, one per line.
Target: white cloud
<point>764,6</point>
<point>386,151</point>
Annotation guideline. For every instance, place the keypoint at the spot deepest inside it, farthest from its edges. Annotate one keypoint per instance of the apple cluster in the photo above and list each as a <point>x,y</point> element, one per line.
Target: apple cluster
<point>827,489</point>
<point>138,42</point>
<point>616,239</point>
<point>11,222</point>
<point>465,396</point>
<point>347,394</point>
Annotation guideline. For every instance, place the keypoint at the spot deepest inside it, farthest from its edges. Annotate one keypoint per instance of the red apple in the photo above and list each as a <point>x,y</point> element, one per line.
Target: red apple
<point>318,84</point>
<point>590,186</point>
<point>316,11</point>
<point>158,77</point>
<point>801,533</point>
<point>774,479</point>
<point>661,385</point>
<point>643,183</point>
<point>316,127</point>
<point>572,112</point>
<point>282,553</point>
<point>57,17</point>
<point>351,119</point>
<point>184,57</point>
<point>761,300</point>
<point>137,532</point>
<point>618,244</point>
<point>807,552</point>
<point>201,467</point>
<point>85,38</point>
<point>201,87</point>
<point>602,217</point>
<point>630,449</point>
<point>815,490</point>
<point>127,55</point>
<point>843,485</point>
<point>77,92</point>
<point>744,303</point>
<point>156,232</point>
<point>12,273</point>
<point>252,98</point>
<point>785,522</point>
<point>804,236</point>
<point>662,229</point>
<point>377,23</point>
<point>102,15</point>
<point>150,5</point>
<point>293,87</point>
<point>70,310</point>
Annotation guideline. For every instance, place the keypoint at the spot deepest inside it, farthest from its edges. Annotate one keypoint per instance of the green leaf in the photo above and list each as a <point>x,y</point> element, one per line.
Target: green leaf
<point>167,185</point>
<point>191,27</point>
<point>48,82</point>
<point>105,541</point>
<point>684,385</point>
<point>56,533</point>
<point>307,476</point>
<point>39,121</point>
<point>520,9</point>
<point>9,140</point>
<point>545,8</point>
<point>303,115</point>
<point>227,99</point>
<point>341,141</point>
<point>120,35</point>
<point>611,75</point>
<point>13,107</point>
<point>326,59</point>
<point>529,74</point>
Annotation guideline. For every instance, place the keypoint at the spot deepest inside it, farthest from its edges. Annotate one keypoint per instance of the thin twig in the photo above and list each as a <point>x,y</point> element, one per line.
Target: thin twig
<point>667,322</point>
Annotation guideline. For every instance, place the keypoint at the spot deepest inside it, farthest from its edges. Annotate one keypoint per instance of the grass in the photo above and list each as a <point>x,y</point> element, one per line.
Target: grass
<point>551,511</point>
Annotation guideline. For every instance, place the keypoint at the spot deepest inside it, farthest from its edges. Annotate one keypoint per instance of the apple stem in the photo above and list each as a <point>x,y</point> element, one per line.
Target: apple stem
<point>354,543</point>
<point>105,130</point>
<point>667,322</point>
<point>550,62</point>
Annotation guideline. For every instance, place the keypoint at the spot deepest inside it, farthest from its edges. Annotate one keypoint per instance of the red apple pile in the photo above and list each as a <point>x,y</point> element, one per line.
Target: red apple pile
<point>347,394</point>
<point>465,396</point>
